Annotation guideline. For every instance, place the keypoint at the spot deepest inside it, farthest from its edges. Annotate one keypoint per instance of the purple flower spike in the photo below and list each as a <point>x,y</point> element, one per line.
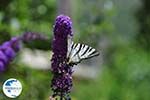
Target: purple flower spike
<point>8,52</point>
<point>61,83</point>
<point>29,36</point>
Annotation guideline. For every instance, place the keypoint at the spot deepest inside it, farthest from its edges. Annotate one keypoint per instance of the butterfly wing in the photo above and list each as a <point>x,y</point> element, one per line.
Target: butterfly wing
<point>78,52</point>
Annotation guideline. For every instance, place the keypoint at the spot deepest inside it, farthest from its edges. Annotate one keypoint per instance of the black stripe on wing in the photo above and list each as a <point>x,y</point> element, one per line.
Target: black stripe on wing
<point>80,52</point>
<point>70,51</point>
<point>86,49</point>
<point>93,54</point>
<point>90,52</point>
<point>80,47</point>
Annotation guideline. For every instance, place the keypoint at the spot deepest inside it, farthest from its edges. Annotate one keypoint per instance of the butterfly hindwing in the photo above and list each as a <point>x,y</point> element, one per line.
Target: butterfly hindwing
<point>78,52</point>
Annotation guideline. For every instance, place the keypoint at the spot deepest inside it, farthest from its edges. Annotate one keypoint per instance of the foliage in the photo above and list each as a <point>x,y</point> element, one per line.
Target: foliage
<point>126,79</point>
<point>143,17</point>
<point>27,15</point>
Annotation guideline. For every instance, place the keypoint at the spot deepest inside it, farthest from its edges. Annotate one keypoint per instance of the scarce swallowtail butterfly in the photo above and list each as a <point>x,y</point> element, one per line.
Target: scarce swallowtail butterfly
<point>78,52</point>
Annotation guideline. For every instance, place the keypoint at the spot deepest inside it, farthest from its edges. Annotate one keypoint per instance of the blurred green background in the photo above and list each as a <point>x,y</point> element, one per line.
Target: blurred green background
<point>119,29</point>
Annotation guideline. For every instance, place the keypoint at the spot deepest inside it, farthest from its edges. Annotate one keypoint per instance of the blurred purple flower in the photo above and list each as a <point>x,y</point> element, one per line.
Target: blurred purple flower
<point>9,49</point>
<point>8,52</point>
<point>29,36</point>
<point>62,80</point>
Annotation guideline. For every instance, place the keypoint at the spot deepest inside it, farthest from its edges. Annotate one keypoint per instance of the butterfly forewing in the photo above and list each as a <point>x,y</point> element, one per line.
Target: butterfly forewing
<point>78,52</point>
<point>75,50</point>
<point>70,45</point>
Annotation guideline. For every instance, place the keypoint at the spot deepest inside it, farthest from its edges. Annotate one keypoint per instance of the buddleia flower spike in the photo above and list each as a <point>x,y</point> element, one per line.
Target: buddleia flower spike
<point>31,36</point>
<point>66,54</point>
<point>8,51</point>
<point>62,74</point>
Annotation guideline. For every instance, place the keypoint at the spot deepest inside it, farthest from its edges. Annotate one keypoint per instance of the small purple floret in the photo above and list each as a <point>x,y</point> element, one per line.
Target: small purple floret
<point>3,57</point>
<point>10,53</point>
<point>62,83</point>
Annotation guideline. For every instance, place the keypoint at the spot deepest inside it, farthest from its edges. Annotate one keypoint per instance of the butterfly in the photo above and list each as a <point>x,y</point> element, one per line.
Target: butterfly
<point>78,52</point>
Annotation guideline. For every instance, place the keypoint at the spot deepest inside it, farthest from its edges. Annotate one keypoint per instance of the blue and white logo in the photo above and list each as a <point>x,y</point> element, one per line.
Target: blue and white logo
<point>12,88</point>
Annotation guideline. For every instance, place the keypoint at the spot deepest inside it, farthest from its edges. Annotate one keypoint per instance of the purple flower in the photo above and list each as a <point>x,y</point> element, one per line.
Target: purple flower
<point>9,48</point>
<point>29,36</point>
<point>61,83</point>
<point>62,29</point>
<point>8,52</point>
